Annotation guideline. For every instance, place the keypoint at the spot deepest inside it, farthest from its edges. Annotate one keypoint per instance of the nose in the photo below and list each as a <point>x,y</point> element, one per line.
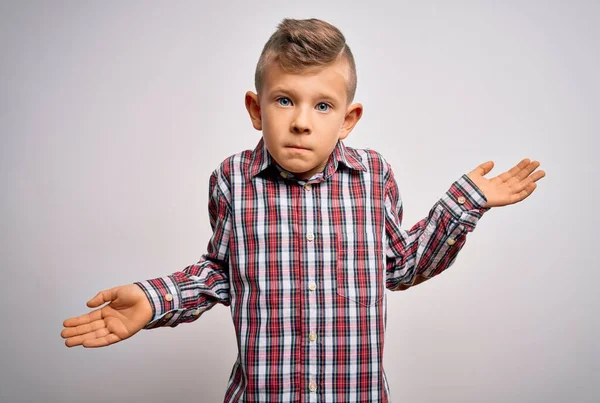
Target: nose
<point>301,121</point>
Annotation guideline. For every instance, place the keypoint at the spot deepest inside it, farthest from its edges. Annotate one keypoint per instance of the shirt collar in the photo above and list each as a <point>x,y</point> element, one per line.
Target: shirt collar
<point>261,159</point>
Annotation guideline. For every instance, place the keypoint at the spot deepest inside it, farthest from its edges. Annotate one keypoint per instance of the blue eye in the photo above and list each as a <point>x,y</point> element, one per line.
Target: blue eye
<point>326,107</point>
<point>283,98</point>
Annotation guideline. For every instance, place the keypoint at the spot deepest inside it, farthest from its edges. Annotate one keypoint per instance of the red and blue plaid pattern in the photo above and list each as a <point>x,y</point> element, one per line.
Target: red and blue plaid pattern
<point>304,265</point>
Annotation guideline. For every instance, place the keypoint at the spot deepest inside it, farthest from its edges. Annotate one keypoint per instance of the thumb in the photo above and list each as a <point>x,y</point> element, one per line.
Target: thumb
<point>102,297</point>
<point>484,168</point>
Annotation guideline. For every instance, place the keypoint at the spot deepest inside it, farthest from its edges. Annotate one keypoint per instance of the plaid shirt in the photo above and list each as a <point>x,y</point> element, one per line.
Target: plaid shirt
<point>304,265</point>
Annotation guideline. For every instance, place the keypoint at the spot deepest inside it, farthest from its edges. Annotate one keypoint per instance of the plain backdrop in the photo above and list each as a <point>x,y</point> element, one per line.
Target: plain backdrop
<point>114,114</point>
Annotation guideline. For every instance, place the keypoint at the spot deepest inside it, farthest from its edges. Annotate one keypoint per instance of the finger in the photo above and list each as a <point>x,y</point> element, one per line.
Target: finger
<point>525,172</point>
<point>83,329</point>
<point>102,297</point>
<point>538,175</point>
<point>518,187</point>
<point>79,340</point>
<point>83,319</point>
<point>483,169</point>
<point>511,173</point>
<point>110,338</point>
<point>525,192</point>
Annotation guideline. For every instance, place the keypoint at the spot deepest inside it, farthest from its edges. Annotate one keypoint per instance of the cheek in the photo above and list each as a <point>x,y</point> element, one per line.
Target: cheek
<point>335,127</point>
<point>272,122</point>
<point>333,124</point>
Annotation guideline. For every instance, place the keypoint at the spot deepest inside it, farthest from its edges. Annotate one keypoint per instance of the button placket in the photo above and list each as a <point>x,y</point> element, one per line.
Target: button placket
<point>311,309</point>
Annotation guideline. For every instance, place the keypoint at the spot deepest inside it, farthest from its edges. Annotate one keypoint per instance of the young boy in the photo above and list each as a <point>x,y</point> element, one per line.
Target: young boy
<point>306,238</point>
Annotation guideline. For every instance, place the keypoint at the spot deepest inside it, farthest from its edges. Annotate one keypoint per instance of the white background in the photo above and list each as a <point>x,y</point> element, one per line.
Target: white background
<point>114,114</point>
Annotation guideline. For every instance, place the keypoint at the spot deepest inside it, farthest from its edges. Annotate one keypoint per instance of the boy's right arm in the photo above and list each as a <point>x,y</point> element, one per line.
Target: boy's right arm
<point>165,301</point>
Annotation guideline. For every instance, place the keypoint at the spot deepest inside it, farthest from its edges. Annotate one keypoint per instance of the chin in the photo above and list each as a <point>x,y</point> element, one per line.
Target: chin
<point>296,168</point>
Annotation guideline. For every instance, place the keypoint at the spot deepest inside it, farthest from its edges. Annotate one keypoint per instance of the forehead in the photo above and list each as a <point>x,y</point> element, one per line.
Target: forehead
<point>330,80</point>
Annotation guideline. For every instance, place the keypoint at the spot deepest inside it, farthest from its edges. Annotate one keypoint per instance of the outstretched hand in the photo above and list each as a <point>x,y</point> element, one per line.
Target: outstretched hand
<point>509,187</point>
<point>128,312</point>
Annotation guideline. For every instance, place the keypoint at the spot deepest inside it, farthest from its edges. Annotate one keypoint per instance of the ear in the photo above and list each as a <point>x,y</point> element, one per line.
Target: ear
<point>253,108</point>
<point>353,115</point>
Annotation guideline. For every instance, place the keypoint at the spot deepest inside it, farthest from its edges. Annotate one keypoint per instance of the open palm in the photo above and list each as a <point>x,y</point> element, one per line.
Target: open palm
<point>128,312</point>
<point>509,187</point>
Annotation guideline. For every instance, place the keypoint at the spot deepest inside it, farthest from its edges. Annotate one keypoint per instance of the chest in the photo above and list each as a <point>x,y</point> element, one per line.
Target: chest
<point>287,234</point>
<point>346,211</point>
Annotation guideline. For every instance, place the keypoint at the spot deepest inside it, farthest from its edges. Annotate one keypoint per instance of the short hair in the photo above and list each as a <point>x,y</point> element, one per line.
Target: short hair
<point>299,44</point>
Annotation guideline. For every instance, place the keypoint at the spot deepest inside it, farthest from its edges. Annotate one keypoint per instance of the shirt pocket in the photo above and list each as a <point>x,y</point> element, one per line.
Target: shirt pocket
<point>359,273</point>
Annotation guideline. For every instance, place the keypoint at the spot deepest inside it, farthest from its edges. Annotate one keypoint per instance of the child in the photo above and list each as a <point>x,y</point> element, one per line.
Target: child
<point>306,238</point>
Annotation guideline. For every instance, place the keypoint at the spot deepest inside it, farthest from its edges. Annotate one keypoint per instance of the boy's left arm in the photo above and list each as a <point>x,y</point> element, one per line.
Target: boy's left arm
<point>432,245</point>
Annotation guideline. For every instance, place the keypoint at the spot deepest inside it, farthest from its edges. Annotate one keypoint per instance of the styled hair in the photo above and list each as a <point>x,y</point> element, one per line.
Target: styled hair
<point>300,44</point>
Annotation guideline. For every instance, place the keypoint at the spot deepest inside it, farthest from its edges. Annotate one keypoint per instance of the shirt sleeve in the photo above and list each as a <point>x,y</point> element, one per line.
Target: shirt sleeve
<point>184,295</point>
<point>432,244</point>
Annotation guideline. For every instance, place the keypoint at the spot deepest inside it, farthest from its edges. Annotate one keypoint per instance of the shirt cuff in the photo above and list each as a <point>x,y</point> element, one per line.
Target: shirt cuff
<point>165,299</point>
<point>465,202</point>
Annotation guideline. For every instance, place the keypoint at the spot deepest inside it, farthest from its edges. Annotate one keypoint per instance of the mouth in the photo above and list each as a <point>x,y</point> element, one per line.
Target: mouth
<point>296,147</point>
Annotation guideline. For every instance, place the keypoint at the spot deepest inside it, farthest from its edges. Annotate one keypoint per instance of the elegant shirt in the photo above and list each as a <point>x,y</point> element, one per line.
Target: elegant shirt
<point>304,265</point>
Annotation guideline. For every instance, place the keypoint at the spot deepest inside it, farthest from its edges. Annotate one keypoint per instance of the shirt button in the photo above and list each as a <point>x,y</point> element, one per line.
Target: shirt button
<point>312,386</point>
<point>312,286</point>
<point>307,187</point>
<point>450,241</point>
<point>462,200</point>
<point>312,336</point>
<point>310,236</point>
<point>169,315</point>
<point>196,312</point>
<point>283,174</point>
<point>169,297</point>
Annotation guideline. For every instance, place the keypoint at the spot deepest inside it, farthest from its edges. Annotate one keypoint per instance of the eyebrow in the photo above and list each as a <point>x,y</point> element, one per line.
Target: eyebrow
<point>293,92</point>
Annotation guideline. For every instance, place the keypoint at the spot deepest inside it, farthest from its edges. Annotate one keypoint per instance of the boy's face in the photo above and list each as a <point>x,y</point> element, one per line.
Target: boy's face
<point>303,115</point>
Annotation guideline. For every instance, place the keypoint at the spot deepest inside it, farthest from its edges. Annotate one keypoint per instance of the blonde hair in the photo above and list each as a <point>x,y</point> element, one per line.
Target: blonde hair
<point>299,44</point>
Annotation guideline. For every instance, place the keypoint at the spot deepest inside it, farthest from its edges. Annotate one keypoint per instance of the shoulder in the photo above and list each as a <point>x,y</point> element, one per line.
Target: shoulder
<point>235,164</point>
<point>373,160</point>
<point>232,167</point>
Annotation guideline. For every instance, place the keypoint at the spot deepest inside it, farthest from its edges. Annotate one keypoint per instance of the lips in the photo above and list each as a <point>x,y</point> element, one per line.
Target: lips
<point>296,147</point>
